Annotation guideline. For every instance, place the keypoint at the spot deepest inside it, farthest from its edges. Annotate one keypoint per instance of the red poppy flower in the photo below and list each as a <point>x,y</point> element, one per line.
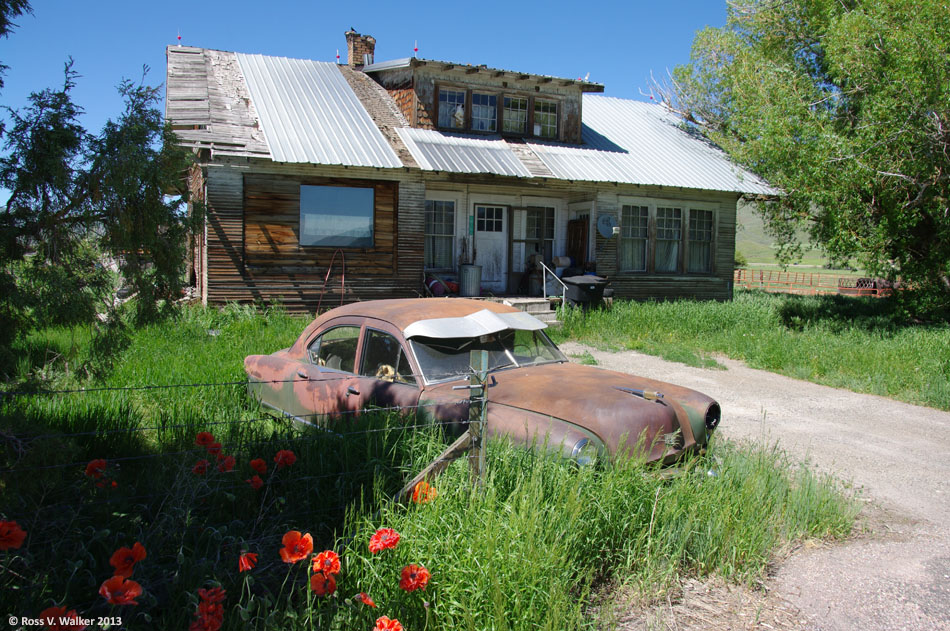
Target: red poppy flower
<point>366,600</point>
<point>259,465</point>
<point>203,439</point>
<point>210,614</point>
<point>11,535</point>
<point>414,577</point>
<point>296,547</point>
<point>385,624</point>
<point>246,561</point>
<point>322,585</point>
<point>285,458</point>
<point>213,449</point>
<point>201,467</point>
<point>213,595</point>
<point>58,619</point>
<point>95,468</point>
<point>327,562</point>
<point>124,559</point>
<point>226,465</point>
<point>255,482</point>
<point>120,591</point>
<point>383,539</point>
<point>423,493</point>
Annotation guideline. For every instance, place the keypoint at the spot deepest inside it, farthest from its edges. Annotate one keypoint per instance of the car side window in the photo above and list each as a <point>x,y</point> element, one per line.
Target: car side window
<point>383,358</point>
<point>336,349</point>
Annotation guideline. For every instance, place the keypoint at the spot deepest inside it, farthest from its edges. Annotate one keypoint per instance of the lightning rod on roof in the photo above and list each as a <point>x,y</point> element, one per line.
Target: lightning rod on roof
<point>337,55</point>
<point>415,48</point>
<point>179,37</point>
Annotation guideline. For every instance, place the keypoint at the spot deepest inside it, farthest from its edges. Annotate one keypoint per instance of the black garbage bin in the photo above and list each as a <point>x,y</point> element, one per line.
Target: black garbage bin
<point>584,290</point>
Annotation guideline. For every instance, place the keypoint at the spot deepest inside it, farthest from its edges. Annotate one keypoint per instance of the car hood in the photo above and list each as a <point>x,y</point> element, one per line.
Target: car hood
<point>592,398</point>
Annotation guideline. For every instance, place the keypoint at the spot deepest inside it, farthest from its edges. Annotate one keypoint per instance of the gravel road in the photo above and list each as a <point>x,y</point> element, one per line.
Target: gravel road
<point>893,575</point>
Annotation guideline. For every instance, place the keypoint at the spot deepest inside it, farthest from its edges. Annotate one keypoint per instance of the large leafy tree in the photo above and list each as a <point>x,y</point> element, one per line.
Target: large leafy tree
<point>845,106</point>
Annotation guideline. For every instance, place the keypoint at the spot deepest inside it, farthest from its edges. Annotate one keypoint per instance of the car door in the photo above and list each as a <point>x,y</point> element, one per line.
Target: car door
<point>386,374</point>
<point>327,378</point>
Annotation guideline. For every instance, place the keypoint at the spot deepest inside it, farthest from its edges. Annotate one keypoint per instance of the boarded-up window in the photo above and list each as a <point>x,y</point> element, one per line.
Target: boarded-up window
<point>669,234</point>
<point>440,234</point>
<point>336,216</point>
<point>633,238</point>
<point>699,248</point>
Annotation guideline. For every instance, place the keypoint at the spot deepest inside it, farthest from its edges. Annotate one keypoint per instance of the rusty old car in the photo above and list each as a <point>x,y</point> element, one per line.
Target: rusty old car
<point>413,353</point>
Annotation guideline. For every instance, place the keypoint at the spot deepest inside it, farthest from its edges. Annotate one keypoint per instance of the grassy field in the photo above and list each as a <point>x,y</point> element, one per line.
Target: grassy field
<point>854,343</point>
<point>530,551</point>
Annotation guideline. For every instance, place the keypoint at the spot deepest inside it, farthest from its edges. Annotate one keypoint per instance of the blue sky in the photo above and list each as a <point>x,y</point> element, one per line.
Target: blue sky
<point>618,43</point>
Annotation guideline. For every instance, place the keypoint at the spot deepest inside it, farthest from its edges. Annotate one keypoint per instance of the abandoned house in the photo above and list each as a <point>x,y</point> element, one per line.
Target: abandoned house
<point>375,174</point>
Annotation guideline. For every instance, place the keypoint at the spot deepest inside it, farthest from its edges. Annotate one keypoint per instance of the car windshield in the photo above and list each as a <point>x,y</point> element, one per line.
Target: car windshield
<point>447,358</point>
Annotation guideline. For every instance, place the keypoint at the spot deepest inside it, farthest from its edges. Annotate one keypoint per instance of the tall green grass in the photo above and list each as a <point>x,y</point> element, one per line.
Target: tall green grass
<point>530,551</point>
<point>845,342</point>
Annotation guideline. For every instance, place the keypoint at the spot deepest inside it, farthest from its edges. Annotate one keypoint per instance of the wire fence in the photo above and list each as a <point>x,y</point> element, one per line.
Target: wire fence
<point>810,284</point>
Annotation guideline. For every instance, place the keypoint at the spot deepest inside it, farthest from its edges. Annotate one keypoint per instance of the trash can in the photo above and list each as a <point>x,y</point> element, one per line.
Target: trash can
<point>584,290</point>
<point>470,280</point>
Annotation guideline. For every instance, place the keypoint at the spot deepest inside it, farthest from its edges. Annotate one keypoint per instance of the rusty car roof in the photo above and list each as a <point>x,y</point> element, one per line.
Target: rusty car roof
<point>401,312</point>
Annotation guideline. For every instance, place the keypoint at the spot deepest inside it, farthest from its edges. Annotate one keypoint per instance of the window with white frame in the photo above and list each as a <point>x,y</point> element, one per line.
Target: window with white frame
<point>669,236</point>
<point>634,236</point>
<point>439,234</point>
<point>699,245</point>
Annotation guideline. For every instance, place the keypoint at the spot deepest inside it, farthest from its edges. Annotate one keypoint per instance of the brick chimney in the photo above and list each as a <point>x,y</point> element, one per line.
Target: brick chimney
<point>357,46</point>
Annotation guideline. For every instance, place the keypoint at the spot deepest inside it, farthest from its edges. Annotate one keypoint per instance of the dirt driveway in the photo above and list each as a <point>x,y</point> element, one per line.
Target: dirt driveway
<point>894,575</point>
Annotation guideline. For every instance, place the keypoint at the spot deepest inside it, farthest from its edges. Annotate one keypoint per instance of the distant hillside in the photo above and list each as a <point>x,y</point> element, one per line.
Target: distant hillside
<point>757,246</point>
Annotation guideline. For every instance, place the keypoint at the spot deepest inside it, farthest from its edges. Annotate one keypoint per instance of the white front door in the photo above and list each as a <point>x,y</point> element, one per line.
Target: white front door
<point>491,246</point>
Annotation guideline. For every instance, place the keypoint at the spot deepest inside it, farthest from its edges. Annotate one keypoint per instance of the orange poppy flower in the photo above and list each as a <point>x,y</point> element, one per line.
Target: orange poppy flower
<point>11,535</point>
<point>58,619</point>
<point>201,467</point>
<point>383,539</point>
<point>120,591</point>
<point>255,482</point>
<point>385,624</point>
<point>366,600</point>
<point>124,559</point>
<point>414,577</point>
<point>259,465</point>
<point>246,561</point>
<point>203,439</point>
<point>327,562</point>
<point>213,449</point>
<point>95,468</point>
<point>296,547</point>
<point>285,458</point>
<point>423,493</point>
<point>322,585</point>
<point>226,465</point>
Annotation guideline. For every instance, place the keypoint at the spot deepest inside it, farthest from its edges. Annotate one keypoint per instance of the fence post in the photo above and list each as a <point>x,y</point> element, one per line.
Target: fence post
<point>478,360</point>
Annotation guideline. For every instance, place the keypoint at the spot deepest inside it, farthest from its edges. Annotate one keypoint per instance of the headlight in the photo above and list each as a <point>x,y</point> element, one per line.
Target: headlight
<point>713,415</point>
<point>584,452</point>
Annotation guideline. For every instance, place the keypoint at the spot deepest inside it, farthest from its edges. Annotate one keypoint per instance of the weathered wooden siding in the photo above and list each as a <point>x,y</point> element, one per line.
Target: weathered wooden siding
<point>253,245</point>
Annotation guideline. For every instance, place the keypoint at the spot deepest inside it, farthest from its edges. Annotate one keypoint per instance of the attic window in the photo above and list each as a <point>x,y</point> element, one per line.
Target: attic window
<point>545,118</point>
<point>484,112</point>
<point>452,109</point>
<point>336,216</point>
<point>516,115</point>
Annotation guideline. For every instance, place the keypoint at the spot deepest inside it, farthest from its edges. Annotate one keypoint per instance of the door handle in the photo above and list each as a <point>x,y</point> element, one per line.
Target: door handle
<point>352,390</point>
<point>302,374</point>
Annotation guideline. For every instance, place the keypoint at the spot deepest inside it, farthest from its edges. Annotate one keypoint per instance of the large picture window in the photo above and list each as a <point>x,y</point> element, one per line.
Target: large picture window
<point>440,234</point>
<point>633,238</point>
<point>336,216</point>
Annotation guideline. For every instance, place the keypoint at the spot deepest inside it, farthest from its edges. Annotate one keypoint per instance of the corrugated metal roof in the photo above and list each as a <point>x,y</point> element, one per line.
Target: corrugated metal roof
<point>640,143</point>
<point>435,151</point>
<point>310,114</point>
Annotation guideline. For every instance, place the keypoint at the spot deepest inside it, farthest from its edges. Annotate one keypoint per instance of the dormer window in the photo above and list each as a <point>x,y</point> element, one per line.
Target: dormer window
<point>484,112</point>
<point>515,115</point>
<point>452,109</point>
<point>545,118</point>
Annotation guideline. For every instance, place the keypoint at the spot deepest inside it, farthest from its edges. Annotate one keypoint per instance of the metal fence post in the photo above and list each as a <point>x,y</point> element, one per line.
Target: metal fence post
<point>478,360</point>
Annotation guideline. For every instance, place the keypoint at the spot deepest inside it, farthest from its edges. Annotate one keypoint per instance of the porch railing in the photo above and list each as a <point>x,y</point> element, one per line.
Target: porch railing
<point>544,281</point>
